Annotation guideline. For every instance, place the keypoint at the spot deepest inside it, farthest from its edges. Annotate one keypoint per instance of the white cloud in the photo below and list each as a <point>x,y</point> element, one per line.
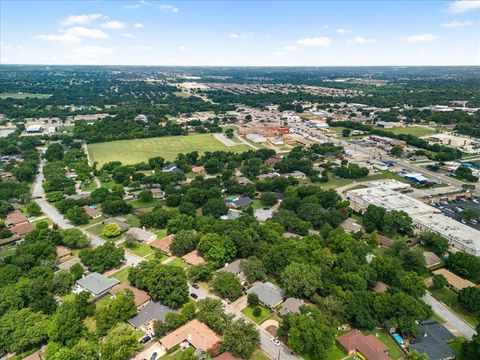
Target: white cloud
<point>135,6</point>
<point>182,48</point>
<point>278,53</point>
<point>127,35</point>
<point>343,31</point>
<point>138,26</point>
<point>63,38</point>
<point>290,48</point>
<point>455,23</point>
<point>169,8</point>
<point>315,41</point>
<point>142,47</point>
<point>80,31</point>
<point>462,6</point>
<point>80,19</point>
<point>420,38</point>
<point>90,52</point>
<point>234,36</point>
<point>113,24</point>
<point>361,40</point>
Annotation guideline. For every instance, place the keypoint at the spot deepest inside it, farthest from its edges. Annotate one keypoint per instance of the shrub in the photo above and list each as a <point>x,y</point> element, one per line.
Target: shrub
<point>257,311</point>
<point>111,230</point>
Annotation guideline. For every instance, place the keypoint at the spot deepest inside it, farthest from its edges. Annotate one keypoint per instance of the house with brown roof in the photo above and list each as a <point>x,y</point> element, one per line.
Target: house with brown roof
<point>93,213</point>
<point>291,306</point>
<point>163,244</point>
<point>34,356</point>
<point>226,356</point>
<point>431,258</point>
<point>195,333</point>
<point>193,258</point>
<point>16,218</point>
<point>63,252</point>
<point>384,241</point>
<point>22,229</point>
<point>140,297</point>
<point>455,282</point>
<point>198,169</point>
<point>364,347</point>
<point>380,287</point>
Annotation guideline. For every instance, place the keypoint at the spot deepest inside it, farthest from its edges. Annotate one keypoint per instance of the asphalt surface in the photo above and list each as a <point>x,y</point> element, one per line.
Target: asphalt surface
<point>452,319</point>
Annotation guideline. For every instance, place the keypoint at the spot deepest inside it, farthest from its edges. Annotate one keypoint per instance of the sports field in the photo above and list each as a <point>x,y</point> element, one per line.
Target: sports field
<point>23,96</point>
<point>135,151</point>
<point>418,131</point>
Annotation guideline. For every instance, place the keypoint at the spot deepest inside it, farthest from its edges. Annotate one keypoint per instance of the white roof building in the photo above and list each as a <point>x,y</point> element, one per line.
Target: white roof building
<point>425,217</point>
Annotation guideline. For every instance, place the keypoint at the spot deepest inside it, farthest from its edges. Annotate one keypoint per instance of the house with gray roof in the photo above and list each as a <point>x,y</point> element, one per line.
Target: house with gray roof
<point>153,311</point>
<point>141,235</point>
<point>122,223</point>
<point>291,306</point>
<point>96,284</point>
<point>432,341</point>
<point>269,295</point>
<point>239,202</point>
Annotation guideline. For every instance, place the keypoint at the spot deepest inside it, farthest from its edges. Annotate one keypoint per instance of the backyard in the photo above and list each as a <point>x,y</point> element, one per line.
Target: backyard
<point>138,150</point>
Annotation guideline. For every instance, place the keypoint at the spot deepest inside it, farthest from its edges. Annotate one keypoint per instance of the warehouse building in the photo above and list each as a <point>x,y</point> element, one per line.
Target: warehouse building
<point>385,193</point>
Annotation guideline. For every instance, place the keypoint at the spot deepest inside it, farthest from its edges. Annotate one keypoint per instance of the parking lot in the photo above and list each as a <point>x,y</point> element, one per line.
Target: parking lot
<point>455,208</point>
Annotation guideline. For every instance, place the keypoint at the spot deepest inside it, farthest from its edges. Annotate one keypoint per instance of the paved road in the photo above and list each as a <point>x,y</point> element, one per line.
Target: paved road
<point>49,210</point>
<point>452,319</point>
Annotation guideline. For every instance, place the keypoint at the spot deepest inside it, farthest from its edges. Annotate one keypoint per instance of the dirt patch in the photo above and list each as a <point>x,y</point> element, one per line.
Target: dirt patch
<point>272,330</point>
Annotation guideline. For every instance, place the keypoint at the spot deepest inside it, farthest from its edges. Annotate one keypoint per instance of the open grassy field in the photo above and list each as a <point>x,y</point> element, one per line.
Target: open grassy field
<point>24,96</point>
<point>418,131</point>
<point>137,150</point>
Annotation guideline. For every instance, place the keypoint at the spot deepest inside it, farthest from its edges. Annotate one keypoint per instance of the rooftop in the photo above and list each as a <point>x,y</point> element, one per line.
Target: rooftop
<point>369,346</point>
<point>163,244</point>
<point>453,280</point>
<point>97,283</point>
<point>140,234</point>
<point>153,311</point>
<point>268,293</point>
<point>234,267</point>
<point>291,306</point>
<point>139,296</point>
<point>433,341</point>
<point>199,335</point>
<point>193,258</point>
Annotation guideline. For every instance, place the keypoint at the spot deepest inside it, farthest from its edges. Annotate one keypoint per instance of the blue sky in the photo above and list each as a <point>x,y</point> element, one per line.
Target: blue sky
<point>252,33</point>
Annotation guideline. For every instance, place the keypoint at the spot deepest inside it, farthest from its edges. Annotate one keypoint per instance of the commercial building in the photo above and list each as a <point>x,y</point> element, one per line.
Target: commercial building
<point>33,129</point>
<point>385,193</point>
<point>256,138</point>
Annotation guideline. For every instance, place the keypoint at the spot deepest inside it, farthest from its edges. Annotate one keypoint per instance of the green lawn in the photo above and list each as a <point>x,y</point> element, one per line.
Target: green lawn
<point>450,298</point>
<point>393,349</point>
<point>140,204</point>
<point>137,150</point>
<point>256,204</point>
<point>266,312</point>
<point>177,262</point>
<point>160,233</point>
<point>418,131</point>
<point>22,96</point>
<point>89,187</point>
<point>121,275</point>
<point>132,220</point>
<point>98,230</point>
<point>335,353</point>
<point>140,249</point>
<point>456,345</point>
<point>258,355</point>
<point>177,355</point>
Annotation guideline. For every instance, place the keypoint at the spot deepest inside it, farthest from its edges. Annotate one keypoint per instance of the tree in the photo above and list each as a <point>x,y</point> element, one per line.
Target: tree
<point>111,230</point>
<point>165,283</point>
<point>438,281</point>
<point>257,311</point>
<point>415,355</point>
<point>21,330</point>
<point>464,265</point>
<point>145,195</point>
<point>215,207</point>
<point>77,216</point>
<point>120,343</point>
<point>308,332</point>
<point>201,272</point>
<point>268,198</point>
<point>62,282</point>
<point>241,339</point>
<point>113,310</point>
<point>76,271</point>
<point>412,284</point>
<point>227,286</point>
<point>211,312</point>
<point>397,222</point>
<point>54,152</point>
<point>346,132</point>
<point>469,298</point>
<point>5,208</point>
<point>372,218</point>
<point>74,239</point>
<point>66,326</point>
<point>437,243</point>
<point>33,209</point>
<point>301,280</point>
<point>116,207</point>
<point>184,242</point>
<point>253,269</point>
<point>252,300</point>
<point>396,151</point>
<point>471,349</point>
<point>102,258</point>
<point>217,249</point>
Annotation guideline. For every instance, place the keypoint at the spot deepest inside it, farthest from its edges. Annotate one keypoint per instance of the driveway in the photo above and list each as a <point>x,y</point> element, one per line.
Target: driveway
<point>240,304</point>
<point>147,353</point>
<point>453,321</point>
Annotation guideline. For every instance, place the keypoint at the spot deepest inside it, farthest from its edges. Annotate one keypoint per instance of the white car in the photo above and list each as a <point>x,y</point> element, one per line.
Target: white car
<point>275,341</point>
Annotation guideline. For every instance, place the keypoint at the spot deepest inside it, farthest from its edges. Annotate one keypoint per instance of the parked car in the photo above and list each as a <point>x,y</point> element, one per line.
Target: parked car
<point>275,341</point>
<point>145,339</point>
<point>154,356</point>
<point>194,296</point>
<point>195,286</point>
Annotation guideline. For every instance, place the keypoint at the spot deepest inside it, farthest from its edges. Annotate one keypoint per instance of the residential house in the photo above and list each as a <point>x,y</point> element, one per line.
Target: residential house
<point>63,252</point>
<point>351,226</point>
<point>141,235</point>
<point>122,223</point>
<point>242,180</point>
<point>193,333</point>
<point>16,218</point>
<point>193,258</point>
<point>291,306</point>
<point>22,229</point>
<point>92,212</point>
<point>231,215</point>
<point>226,356</point>
<point>153,311</point>
<point>380,287</point>
<point>263,214</point>
<point>431,258</point>
<point>363,347</point>
<point>163,244</point>
<point>34,356</point>
<point>454,281</point>
<point>270,175</point>
<point>140,297</point>
<point>96,284</point>
<point>297,175</point>
<point>235,268</point>
<point>239,202</point>
<point>270,295</point>
<point>272,161</point>
<point>384,241</point>
<point>432,341</point>
<point>198,169</point>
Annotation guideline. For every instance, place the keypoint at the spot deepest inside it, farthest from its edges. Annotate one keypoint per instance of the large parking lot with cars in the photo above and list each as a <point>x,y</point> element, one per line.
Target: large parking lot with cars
<point>455,208</point>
